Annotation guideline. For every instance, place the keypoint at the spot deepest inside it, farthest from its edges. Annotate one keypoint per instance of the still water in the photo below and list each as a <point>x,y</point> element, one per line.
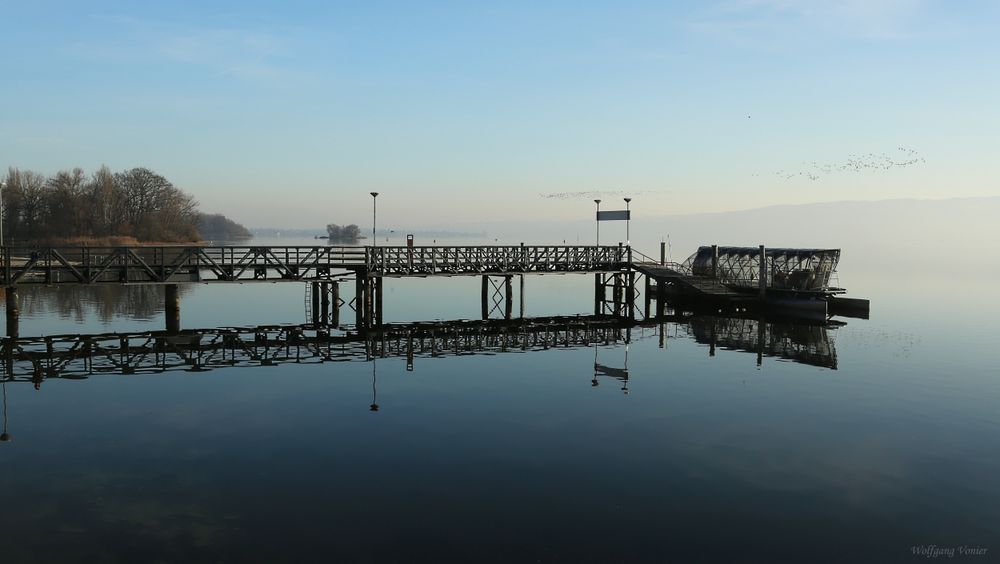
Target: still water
<point>866,440</point>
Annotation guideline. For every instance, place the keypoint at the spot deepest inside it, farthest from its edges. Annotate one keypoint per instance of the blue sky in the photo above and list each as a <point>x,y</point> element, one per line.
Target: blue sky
<point>289,113</point>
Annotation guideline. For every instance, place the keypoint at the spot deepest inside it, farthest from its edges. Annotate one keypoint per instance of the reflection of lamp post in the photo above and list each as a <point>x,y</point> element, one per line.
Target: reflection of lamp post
<point>625,386</point>
<point>374,405</point>
<point>374,195</point>
<point>628,220</point>
<point>594,381</point>
<point>4,436</point>
<point>598,202</point>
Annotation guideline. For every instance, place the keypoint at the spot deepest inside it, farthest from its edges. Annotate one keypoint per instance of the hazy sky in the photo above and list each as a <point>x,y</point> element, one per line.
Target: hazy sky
<point>289,113</point>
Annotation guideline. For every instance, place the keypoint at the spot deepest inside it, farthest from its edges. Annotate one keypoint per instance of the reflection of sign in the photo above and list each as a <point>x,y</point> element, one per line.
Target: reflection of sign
<point>613,215</point>
<point>619,373</point>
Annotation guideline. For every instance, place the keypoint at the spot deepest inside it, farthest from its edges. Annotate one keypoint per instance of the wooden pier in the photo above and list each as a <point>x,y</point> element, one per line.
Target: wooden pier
<point>621,275</point>
<point>323,267</point>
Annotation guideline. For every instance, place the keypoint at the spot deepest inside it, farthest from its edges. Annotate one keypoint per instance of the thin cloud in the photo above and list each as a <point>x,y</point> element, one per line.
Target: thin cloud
<point>768,22</point>
<point>247,53</point>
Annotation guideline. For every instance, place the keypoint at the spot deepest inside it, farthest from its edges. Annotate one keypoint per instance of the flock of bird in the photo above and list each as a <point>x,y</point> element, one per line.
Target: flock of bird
<point>589,194</point>
<point>869,162</point>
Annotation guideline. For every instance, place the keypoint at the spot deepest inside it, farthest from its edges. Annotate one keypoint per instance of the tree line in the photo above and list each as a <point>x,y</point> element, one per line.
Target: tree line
<point>345,233</point>
<point>71,205</point>
<point>218,227</point>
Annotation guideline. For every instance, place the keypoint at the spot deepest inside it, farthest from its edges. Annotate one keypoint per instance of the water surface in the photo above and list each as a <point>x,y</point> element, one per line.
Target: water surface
<point>859,442</point>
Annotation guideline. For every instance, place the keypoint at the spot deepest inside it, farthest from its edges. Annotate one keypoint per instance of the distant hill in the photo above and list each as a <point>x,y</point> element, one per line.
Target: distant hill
<point>935,236</point>
<point>947,236</point>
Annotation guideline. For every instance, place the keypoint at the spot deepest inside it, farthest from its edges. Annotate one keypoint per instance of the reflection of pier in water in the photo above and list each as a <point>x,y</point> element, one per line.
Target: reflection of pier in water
<point>799,342</point>
<point>80,356</point>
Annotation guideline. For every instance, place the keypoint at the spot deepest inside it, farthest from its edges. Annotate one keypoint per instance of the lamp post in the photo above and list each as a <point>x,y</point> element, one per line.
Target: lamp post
<point>374,208</point>
<point>598,202</point>
<point>2,186</point>
<point>628,220</point>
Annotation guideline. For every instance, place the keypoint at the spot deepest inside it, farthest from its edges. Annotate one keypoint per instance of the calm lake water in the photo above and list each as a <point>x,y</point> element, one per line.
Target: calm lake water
<point>867,441</point>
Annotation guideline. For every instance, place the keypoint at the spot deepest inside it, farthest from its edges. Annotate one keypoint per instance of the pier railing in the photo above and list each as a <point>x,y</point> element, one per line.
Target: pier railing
<point>411,261</point>
<point>176,263</point>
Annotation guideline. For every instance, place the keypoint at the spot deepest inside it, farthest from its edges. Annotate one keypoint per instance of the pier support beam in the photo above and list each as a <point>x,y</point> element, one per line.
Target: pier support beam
<point>335,303</point>
<point>508,297</point>
<point>13,312</point>
<point>715,262</point>
<point>521,294</point>
<point>172,308</point>
<point>661,298</point>
<point>495,293</point>
<point>485,302</point>
<point>616,294</point>
<point>377,312</point>
<point>599,295</point>
<point>629,294</point>
<point>360,302</point>
<point>314,298</point>
<point>622,294</point>
<point>647,297</point>
<point>324,303</point>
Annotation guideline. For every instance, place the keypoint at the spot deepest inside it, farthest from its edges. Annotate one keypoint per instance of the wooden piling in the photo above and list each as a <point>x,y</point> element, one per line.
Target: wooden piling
<point>378,300</point>
<point>359,300</point>
<point>314,295</point>
<point>508,297</point>
<point>486,297</point>
<point>172,308</point>
<point>616,293</point>
<point>647,298</point>
<point>335,303</point>
<point>599,293</point>
<point>521,294</point>
<point>630,294</point>
<point>13,312</point>
<point>324,300</point>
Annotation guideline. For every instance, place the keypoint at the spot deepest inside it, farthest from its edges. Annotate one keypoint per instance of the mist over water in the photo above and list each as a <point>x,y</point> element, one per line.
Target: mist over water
<point>880,432</point>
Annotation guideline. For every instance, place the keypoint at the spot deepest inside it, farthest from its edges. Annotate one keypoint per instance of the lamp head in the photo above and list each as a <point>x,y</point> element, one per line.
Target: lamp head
<point>373,194</point>
<point>627,200</point>
<point>598,202</point>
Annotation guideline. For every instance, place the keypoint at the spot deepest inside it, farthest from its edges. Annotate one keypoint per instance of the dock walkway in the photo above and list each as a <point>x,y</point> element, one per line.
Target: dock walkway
<point>672,274</point>
<point>221,264</point>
